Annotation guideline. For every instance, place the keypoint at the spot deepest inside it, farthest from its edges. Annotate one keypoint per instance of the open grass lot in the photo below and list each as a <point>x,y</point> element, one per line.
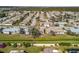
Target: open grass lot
<point>44,39</point>
<point>28,49</point>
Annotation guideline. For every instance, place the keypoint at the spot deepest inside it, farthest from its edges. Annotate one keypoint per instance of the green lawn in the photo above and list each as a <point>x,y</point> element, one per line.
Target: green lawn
<point>34,49</point>
<point>44,39</point>
<point>47,37</point>
<point>28,49</point>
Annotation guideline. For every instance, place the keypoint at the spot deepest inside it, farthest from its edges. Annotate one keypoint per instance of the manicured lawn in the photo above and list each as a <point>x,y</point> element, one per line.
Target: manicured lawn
<point>47,37</point>
<point>28,49</point>
<point>34,49</point>
<point>44,39</point>
<point>14,37</point>
<point>42,42</point>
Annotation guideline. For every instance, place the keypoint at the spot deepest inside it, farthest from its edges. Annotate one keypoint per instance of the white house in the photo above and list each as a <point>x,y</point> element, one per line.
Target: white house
<point>76,23</point>
<point>60,24</point>
<point>10,30</point>
<point>26,31</point>
<point>74,30</point>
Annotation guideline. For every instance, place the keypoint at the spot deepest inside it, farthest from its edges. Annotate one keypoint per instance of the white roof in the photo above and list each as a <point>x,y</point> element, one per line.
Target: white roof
<point>55,51</point>
<point>10,29</point>
<point>14,51</point>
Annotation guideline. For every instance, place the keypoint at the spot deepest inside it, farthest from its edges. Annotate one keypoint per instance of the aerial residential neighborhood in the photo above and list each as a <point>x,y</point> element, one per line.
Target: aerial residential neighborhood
<point>39,30</point>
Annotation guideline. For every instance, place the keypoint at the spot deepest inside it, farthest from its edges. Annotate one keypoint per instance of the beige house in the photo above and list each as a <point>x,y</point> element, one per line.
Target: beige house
<point>52,30</point>
<point>57,30</point>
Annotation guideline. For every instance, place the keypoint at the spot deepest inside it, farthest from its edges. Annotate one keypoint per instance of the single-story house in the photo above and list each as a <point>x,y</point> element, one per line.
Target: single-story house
<point>47,50</point>
<point>57,30</point>
<point>45,24</point>
<point>60,24</point>
<point>50,50</point>
<point>76,24</point>
<point>74,30</point>
<point>10,30</point>
<point>52,30</point>
<point>42,30</point>
<point>24,30</point>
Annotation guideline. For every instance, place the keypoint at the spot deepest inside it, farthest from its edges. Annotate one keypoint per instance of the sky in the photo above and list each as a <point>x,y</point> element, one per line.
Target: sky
<point>39,2</point>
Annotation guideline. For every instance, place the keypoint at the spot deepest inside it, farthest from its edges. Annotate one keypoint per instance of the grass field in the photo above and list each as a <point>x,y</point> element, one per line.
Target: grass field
<point>28,49</point>
<point>44,39</point>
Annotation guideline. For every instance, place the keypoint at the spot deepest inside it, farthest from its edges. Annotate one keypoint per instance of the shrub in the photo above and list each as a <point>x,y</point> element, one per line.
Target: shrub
<point>35,32</point>
<point>2,15</point>
<point>65,44</point>
<point>8,43</point>
<point>27,44</point>
<point>15,45</point>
